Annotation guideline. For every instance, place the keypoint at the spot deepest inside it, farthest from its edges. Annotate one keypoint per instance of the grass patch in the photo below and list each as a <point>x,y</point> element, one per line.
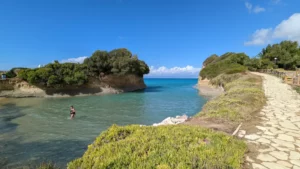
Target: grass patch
<point>297,88</point>
<point>243,96</point>
<point>163,147</point>
<point>223,79</point>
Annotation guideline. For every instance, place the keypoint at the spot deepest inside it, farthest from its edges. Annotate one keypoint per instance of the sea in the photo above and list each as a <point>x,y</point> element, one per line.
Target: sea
<point>36,130</point>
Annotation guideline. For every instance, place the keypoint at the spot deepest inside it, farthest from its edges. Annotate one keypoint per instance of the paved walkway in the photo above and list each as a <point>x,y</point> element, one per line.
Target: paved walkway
<point>279,134</point>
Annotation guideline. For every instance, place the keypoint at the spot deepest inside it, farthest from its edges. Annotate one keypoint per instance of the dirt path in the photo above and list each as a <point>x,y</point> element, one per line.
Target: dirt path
<point>277,140</point>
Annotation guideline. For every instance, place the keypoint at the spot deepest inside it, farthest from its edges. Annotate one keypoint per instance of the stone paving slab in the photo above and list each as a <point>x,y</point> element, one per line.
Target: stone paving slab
<point>279,132</point>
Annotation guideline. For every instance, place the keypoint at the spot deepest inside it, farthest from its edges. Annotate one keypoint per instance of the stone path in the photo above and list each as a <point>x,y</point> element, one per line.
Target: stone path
<point>278,135</point>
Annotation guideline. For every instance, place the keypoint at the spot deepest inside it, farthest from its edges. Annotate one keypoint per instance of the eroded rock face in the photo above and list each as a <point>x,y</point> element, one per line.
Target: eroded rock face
<point>111,84</point>
<point>207,90</point>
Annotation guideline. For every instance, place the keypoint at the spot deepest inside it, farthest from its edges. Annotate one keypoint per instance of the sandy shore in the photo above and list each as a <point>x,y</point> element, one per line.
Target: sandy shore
<point>207,90</point>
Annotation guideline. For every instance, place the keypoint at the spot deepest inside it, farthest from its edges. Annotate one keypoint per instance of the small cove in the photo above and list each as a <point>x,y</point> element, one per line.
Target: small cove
<point>33,130</point>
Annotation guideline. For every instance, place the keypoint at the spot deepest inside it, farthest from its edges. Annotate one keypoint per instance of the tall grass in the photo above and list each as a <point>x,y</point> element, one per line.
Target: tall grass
<point>243,96</point>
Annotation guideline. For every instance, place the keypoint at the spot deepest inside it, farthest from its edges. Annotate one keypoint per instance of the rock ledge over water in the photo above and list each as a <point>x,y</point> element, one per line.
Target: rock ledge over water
<point>172,120</point>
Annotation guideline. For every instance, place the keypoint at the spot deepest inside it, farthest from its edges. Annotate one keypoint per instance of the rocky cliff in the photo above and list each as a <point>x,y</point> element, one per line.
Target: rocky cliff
<point>110,84</point>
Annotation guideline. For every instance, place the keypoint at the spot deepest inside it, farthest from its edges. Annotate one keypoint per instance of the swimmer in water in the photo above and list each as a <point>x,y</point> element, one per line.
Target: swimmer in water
<point>72,112</point>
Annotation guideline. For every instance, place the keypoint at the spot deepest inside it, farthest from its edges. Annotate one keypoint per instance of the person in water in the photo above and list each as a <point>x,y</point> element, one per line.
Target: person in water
<point>72,112</point>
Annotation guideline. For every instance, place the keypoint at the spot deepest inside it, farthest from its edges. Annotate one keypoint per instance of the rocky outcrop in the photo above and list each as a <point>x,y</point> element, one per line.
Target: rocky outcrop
<point>207,90</point>
<point>110,84</point>
<point>172,120</point>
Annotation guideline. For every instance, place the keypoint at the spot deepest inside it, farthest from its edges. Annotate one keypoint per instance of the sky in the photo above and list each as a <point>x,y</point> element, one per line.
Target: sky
<point>173,37</point>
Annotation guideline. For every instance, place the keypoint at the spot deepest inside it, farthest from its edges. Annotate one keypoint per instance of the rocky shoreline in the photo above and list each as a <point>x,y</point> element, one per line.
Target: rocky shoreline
<point>207,90</point>
<point>16,88</point>
<point>172,120</point>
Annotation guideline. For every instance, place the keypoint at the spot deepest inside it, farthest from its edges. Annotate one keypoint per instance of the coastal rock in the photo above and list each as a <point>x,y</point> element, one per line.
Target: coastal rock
<point>172,120</point>
<point>207,90</point>
<point>110,84</point>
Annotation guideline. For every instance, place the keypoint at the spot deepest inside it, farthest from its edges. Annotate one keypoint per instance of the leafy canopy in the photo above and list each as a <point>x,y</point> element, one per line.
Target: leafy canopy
<point>287,54</point>
<point>101,63</point>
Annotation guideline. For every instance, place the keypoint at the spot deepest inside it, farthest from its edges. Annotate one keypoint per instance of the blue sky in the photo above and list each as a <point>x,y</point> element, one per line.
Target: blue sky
<point>172,36</point>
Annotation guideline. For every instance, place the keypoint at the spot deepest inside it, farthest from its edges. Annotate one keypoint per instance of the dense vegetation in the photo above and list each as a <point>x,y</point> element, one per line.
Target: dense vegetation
<point>229,63</point>
<point>163,147</point>
<point>101,63</point>
<point>243,91</point>
<point>56,74</point>
<point>13,72</point>
<point>287,54</point>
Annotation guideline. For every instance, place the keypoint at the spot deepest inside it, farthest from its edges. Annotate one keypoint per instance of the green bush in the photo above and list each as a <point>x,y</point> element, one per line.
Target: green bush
<point>213,70</point>
<point>228,63</point>
<point>210,59</point>
<point>162,147</point>
<point>236,68</point>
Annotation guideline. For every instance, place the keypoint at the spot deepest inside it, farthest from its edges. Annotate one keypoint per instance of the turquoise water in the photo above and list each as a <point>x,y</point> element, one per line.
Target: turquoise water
<point>33,130</point>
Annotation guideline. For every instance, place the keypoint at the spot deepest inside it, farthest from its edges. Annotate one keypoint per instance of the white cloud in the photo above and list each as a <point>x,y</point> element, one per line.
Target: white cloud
<point>248,6</point>
<point>188,71</point>
<point>258,9</point>
<point>74,60</point>
<point>287,30</point>
<point>260,37</point>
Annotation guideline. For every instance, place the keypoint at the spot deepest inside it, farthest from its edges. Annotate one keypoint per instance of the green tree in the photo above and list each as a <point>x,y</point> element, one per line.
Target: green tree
<point>286,53</point>
<point>101,63</point>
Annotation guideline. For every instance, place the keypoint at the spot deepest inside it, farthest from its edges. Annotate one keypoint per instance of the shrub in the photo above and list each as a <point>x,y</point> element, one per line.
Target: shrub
<point>162,147</point>
<point>243,96</point>
<point>223,79</point>
<point>228,63</point>
<point>236,68</point>
<point>210,59</point>
<point>213,70</point>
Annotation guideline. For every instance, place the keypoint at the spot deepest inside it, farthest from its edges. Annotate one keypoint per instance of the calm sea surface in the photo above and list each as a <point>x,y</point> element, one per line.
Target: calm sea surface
<point>33,130</point>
